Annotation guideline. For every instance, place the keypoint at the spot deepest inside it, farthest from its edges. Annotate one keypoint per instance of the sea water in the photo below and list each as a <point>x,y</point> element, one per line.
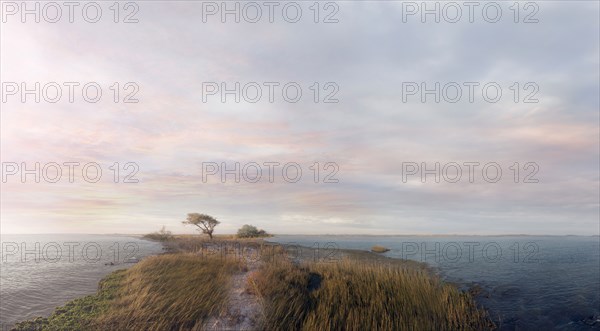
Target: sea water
<point>526,282</point>
<point>40,272</point>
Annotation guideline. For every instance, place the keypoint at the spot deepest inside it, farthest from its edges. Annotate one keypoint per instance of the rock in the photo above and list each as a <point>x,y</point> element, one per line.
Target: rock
<point>379,249</point>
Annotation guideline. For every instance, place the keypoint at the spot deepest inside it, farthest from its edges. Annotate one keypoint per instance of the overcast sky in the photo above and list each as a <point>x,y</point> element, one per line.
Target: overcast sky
<point>369,133</point>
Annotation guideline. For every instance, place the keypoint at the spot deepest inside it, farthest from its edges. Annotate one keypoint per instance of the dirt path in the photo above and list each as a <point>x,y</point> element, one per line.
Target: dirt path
<point>245,309</point>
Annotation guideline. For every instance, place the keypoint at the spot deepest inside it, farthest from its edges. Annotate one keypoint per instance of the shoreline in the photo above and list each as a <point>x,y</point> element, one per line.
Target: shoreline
<point>306,255</point>
<point>102,270</point>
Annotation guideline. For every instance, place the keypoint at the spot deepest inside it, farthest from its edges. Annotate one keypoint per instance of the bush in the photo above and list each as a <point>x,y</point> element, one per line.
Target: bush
<point>162,235</point>
<point>250,231</point>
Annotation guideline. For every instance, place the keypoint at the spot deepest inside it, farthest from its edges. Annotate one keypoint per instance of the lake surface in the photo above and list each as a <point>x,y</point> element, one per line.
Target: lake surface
<point>40,272</point>
<point>526,282</point>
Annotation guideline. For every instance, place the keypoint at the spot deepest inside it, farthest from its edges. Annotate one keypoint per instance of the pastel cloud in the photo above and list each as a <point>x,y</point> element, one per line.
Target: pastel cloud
<point>370,133</point>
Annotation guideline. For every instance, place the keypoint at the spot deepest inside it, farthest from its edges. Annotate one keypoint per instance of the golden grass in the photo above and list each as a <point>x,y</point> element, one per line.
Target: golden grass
<point>182,291</point>
<point>349,295</point>
<point>171,292</point>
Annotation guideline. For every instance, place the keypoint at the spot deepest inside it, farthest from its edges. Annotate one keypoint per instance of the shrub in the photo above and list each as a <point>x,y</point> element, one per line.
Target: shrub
<point>250,231</point>
<point>162,235</point>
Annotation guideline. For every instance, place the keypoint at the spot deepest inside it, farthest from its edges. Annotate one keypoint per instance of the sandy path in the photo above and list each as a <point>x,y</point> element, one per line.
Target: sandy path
<point>245,308</point>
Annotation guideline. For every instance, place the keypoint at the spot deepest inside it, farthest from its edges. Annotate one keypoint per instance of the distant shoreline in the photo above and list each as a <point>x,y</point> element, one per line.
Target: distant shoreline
<point>137,235</point>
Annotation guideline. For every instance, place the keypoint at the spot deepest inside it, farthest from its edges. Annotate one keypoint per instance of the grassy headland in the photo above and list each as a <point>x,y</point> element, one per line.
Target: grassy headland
<point>184,288</point>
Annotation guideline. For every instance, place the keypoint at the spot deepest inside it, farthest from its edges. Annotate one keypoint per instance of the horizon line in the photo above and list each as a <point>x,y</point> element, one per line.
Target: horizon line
<point>334,234</point>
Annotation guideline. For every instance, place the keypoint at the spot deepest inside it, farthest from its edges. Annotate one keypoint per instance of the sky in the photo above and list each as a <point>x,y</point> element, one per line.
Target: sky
<point>366,140</point>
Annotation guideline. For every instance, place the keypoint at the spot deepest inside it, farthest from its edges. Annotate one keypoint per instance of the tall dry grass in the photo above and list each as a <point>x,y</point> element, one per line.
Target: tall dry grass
<point>171,292</point>
<point>350,295</point>
<point>182,291</point>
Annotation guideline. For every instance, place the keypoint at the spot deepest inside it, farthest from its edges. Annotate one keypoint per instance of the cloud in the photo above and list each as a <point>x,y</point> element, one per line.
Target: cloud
<point>370,133</point>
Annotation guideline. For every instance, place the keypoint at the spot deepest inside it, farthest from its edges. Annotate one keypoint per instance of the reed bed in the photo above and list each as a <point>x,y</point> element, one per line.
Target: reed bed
<point>350,295</point>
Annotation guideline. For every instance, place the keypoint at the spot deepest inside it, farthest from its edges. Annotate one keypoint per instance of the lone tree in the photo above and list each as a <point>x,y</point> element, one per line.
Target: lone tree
<point>205,223</point>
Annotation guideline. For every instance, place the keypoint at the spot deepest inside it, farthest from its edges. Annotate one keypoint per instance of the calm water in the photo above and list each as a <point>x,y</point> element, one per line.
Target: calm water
<point>40,272</point>
<point>527,283</point>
